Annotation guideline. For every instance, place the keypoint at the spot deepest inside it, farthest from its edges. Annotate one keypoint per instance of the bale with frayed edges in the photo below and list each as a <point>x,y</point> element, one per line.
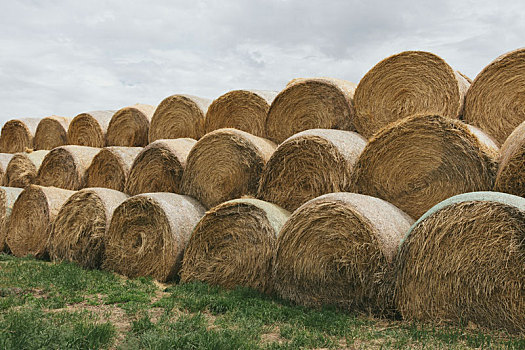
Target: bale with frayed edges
<point>315,103</point>
<point>23,168</point>
<point>233,245</point>
<point>65,167</point>
<point>78,231</point>
<point>33,212</point>
<point>5,158</point>
<point>110,167</point>
<point>17,135</point>
<point>179,116</point>
<point>129,126</point>
<point>8,196</point>
<point>148,234</point>
<point>464,260</point>
<point>496,98</point>
<point>419,161</point>
<point>511,171</point>
<point>411,82</point>
<point>337,249</point>
<point>89,129</point>
<point>309,164</point>
<point>225,164</point>
<point>51,132</point>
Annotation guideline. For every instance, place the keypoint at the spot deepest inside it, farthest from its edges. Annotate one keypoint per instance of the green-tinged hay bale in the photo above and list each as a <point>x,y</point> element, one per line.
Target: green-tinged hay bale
<point>51,132</point>
<point>495,101</point>
<point>225,164</point>
<point>315,103</point>
<point>5,158</point>
<point>89,129</point>
<point>245,110</point>
<point>17,135</point>
<point>148,234</point>
<point>129,126</point>
<point>408,83</point>
<point>464,261</point>
<point>23,168</point>
<point>309,164</point>
<point>179,116</point>
<point>511,172</point>
<point>65,167</point>
<point>337,249</point>
<point>33,212</point>
<point>159,167</point>
<point>419,161</point>
<point>233,245</point>
<point>8,196</point>
<point>110,167</point>
<point>78,231</point>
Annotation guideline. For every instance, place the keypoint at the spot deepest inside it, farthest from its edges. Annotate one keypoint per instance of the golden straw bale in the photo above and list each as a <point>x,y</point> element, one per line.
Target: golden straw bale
<point>511,172</point>
<point>129,126</point>
<point>89,129</point>
<point>8,196</point>
<point>23,168</point>
<point>5,158</point>
<point>17,135</point>
<point>51,132</point>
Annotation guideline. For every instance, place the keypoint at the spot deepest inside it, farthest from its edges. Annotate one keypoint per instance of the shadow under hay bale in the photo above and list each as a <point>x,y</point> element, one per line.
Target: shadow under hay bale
<point>23,168</point>
<point>17,135</point>
<point>51,132</point>
<point>5,158</point>
<point>89,129</point>
<point>511,172</point>
<point>8,196</point>
<point>129,126</point>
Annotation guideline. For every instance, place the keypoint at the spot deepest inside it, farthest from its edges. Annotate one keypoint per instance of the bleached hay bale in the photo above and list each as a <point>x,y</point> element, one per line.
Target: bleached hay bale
<point>511,172</point>
<point>89,129</point>
<point>51,132</point>
<point>8,196</point>
<point>129,126</point>
<point>17,135</point>
<point>23,168</point>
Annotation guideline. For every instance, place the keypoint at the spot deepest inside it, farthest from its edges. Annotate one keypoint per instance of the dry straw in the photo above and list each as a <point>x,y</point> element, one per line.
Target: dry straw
<point>225,164</point>
<point>79,229</point>
<point>511,172</point>
<point>233,245</point>
<point>129,126</point>
<point>23,168</point>
<point>8,196</point>
<point>419,161</point>
<point>17,135</point>
<point>309,164</point>
<point>148,234</point>
<point>89,129</point>
<point>411,82</point>
<point>5,158</point>
<point>463,262</point>
<point>179,116</point>
<point>316,103</point>
<point>51,132</point>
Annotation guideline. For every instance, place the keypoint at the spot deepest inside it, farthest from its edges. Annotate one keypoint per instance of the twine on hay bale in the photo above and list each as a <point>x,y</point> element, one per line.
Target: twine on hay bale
<point>17,135</point>
<point>233,245</point>
<point>51,132</point>
<point>89,129</point>
<point>5,158</point>
<point>225,164</point>
<point>463,261</point>
<point>511,172</point>
<point>23,168</point>
<point>148,234</point>
<point>309,164</point>
<point>129,126</point>
<point>8,196</point>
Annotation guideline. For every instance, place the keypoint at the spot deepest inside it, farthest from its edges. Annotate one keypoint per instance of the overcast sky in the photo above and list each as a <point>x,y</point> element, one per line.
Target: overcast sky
<point>67,57</point>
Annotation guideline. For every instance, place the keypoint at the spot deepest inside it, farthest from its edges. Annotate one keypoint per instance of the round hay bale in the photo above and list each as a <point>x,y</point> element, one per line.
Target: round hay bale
<point>179,116</point>
<point>51,132</point>
<point>159,167</point>
<point>17,135</point>
<point>495,101</point>
<point>233,245</point>
<point>129,126</point>
<point>245,110</point>
<point>5,158</point>
<point>8,196</point>
<point>110,167</point>
<point>464,261</point>
<point>33,212</point>
<point>65,167</point>
<point>511,172</point>
<point>23,168</point>
<point>337,249</point>
<point>411,82</point>
<point>148,234</point>
<point>225,164</point>
<point>309,164</point>
<point>316,103</point>
<point>78,231</point>
<point>89,129</point>
<point>419,161</point>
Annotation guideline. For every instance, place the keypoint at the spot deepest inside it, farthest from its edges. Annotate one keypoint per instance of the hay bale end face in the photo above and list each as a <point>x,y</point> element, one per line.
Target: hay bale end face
<point>511,172</point>
<point>8,196</point>
<point>129,126</point>
<point>23,168</point>
<point>51,132</point>
<point>17,135</point>
<point>89,129</point>
<point>5,158</point>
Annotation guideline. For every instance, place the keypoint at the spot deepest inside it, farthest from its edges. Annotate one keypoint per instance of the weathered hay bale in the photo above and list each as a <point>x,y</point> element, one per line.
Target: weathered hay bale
<point>5,158</point>
<point>419,161</point>
<point>17,135</point>
<point>225,164</point>
<point>23,168</point>
<point>65,167</point>
<point>78,231</point>
<point>89,129</point>
<point>411,82</point>
<point>309,164</point>
<point>148,234</point>
<point>159,167</point>
<point>8,196</point>
<point>463,261</point>
<point>179,116</point>
<point>34,210</point>
<point>51,132</point>
<point>110,167</point>
<point>129,126</point>
<point>511,172</point>
<point>233,245</point>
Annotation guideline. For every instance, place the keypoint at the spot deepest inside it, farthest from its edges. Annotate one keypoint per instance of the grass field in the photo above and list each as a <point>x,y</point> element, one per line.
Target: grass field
<point>62,306</point>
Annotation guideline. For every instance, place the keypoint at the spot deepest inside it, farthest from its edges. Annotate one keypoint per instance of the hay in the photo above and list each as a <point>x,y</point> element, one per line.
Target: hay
<point>110,167</point>
<point>129,126</point>
<point>89,129</point>
<point>309,164</point>
<point>65,167</point>
<point>23,168</point>
<point>316,103</point>
<point>337,249</point>
<point>511,172</point>
<point>17,135</point>
<point>408,83</point>
<point>148,234</point>
<point>51,132</point>
<point>419,161</point>
<point>245,110</point>
<point>78,232</point>
<point>225,164</point>
<point>5,158</point>
<point>463,261</point>
<point>179,116</point>
<point>33,212</point>
<point>8,196</point>
<point>233,245</point>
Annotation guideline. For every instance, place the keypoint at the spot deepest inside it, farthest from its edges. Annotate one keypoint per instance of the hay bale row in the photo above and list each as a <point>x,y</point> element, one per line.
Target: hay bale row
<point>17,135</point>
<point>51,132</point>
<point>89,129</point>
<point>8,196</point>
<point>129,126</point>
<point>23,168</point>
<point>511,172</point>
